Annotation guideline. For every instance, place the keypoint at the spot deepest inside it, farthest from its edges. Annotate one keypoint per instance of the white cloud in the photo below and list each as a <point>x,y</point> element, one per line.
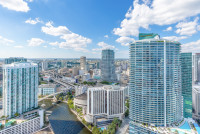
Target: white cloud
<point>45,46</point>
<point>17,5</point>
<point>72,40</point>
<point>191,47</point>
<point>103,46</point>
<point>33,22</point>
<point>19,46</point>
<point>187,28</point>
<point>35,42</point>
<point>106,36</point>
<point>175,38</point>
<point>160,12</point>
<point>29,0</point>
<point>125,41</point>
<point>55,31</point>
<point>5,41</point>
<point>168,29</point>
<point>54,43</point>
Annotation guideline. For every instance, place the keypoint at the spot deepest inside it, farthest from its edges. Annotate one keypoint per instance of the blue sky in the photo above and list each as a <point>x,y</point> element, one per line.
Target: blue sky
<point>72,28</point>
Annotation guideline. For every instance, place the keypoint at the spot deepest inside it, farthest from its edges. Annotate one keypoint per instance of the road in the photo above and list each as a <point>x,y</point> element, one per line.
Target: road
<point>49,96</point>
<point>68,86</point>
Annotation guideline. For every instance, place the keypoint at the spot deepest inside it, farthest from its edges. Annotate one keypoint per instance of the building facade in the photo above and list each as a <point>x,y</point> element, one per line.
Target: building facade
<point>194,69</point>
<point>29,124</point>
<point>46,89</point>
<point>107,100</point>
<point>20,88</point>
<point>45,65</point>
<point>196,103</point>
<point>108,65</point>
<point>186,69</point>
<point>14,59</point>
<point>197,68</point>
<point>155,83</point>
<point>83,63</point>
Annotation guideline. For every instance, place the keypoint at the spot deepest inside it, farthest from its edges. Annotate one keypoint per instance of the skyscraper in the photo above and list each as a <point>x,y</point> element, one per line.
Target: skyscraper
<point>194,69</point>
<point>186,69</point>
<point>45,65</point>
<point>20,88</point>
<point>14,59</point>
<point>108,65</point>
<point>155,84</point>
<point>197,67</point>
<point>83,63</point>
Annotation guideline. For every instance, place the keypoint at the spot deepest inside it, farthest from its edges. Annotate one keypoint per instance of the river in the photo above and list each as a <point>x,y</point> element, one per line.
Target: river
<point>62,120</point>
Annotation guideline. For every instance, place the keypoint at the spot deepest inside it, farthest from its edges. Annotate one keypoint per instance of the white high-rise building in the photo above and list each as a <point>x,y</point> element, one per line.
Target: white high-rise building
<point>194,69</point>
<point>196,102</point>
<point>155,83</point>
<point>44,65</point>
<point>83,63</point>
<point>106,101</point>
<point>20,88</point>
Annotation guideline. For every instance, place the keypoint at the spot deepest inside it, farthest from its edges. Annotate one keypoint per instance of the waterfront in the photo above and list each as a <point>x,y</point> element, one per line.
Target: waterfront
<point>62,120</point>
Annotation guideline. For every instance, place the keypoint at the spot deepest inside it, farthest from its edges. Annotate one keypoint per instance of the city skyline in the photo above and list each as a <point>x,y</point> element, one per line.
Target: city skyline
<point>51,29</point>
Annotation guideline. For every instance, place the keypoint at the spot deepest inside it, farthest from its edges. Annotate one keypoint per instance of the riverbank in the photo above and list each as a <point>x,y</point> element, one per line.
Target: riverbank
<point>62,119</point>
<point>78,117</point>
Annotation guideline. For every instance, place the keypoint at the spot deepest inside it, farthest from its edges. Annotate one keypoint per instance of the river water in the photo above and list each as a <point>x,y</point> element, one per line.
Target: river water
<point>62,120</point>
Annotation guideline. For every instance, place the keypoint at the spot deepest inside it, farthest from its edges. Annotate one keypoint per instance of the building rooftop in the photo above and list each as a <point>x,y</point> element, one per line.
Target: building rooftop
<point>47,86</point>
<point>82,96</point>
<point>108,87</point>
<point>20,65</point>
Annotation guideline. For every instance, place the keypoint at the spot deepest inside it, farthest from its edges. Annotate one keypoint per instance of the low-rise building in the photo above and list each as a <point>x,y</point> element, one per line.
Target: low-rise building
<point>46,78</point>
<point>85,77</point>
<point>69,79</point>
<point>96,74</point>
<point>80,90</point>
<point>27,123</point>
<point>81,101</point>
<point>46,89</point>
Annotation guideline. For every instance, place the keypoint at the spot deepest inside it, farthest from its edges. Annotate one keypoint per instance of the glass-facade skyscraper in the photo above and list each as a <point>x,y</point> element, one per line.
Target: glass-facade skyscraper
<point>186,69</point>
<point>108,65</point>
<point>155,84</point>
<point>20,88</point>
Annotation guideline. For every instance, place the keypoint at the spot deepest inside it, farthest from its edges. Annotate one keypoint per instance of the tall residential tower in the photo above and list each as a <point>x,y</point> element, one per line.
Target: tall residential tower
<point>155,83</point>
<point>186,69</point>
<point>20,88</point>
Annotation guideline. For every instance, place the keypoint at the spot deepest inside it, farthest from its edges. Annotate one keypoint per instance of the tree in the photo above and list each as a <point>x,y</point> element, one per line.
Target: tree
<point>95,130</point>
<point>85,82</point>
<point>105,131</point>
<point>105,82</point>
<point>16,114</point>
<point>126,113</point>
<point>3,116</point>
<point>60,98</point>
<point>51,81</point>
<point>90,127</point>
